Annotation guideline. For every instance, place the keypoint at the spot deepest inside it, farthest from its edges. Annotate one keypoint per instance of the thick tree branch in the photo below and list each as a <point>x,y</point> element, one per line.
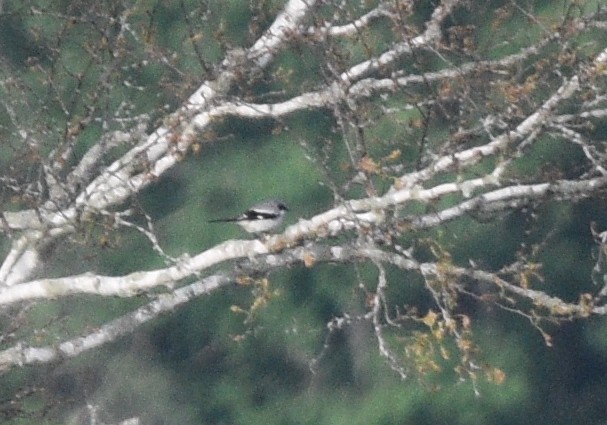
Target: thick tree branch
<point>155,155</point>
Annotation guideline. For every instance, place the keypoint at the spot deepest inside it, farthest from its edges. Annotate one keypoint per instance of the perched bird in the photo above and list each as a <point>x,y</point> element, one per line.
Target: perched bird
<point>260,218</point>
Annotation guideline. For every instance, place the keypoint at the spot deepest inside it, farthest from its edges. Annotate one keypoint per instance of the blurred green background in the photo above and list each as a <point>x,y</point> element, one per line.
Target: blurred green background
<point>207,363</point>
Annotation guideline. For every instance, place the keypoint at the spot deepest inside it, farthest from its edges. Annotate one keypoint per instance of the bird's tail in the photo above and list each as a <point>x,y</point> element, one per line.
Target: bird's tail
<point>223,220</point>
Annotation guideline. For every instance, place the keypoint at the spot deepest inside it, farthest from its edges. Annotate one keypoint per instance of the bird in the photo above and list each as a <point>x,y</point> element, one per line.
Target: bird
<point>260,218</point>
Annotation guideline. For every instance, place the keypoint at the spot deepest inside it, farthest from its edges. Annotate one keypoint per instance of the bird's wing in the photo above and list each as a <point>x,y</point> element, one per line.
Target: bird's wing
<point>258,214</point>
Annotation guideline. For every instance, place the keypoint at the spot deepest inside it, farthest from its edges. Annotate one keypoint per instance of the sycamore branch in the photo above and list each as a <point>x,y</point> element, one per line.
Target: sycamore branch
<point>154,155</point>
<point>21,354</point>
<point>352,215</point>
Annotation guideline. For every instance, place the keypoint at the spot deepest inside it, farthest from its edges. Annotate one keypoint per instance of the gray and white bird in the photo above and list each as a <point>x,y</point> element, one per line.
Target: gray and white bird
<point>260,218</point>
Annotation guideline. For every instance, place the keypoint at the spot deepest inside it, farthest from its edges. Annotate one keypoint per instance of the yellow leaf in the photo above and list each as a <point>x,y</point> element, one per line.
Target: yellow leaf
<point>444,353</point>
<point>497,375</point>
<point>237,338</point>
<point>451,325</point>
<point>308,259</point>
<point>368,165</point>
<point>464,344</point>
<point>439,333</point>
<point>394,155</point>
<point>430,318</point>
<point>236,309</point>
<point>243,280</point>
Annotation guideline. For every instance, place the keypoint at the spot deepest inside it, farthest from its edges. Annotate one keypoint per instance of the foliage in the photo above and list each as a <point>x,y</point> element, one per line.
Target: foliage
<point>445,173</point>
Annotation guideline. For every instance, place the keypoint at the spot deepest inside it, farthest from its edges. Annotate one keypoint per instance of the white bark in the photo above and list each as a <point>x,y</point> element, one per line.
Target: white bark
<point>104,190</point>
